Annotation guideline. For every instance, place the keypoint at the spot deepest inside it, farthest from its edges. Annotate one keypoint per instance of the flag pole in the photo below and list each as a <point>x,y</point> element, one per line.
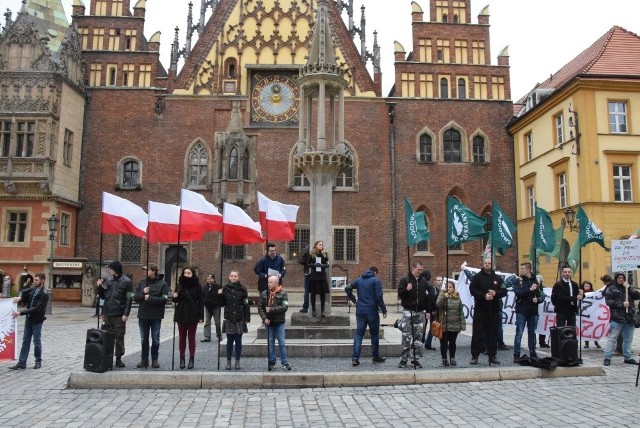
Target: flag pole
<point>99,275</point>
<point>221,267</point>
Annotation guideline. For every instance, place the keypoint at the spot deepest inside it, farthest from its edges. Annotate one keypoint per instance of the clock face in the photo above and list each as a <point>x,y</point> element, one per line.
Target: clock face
<point>274,99</point>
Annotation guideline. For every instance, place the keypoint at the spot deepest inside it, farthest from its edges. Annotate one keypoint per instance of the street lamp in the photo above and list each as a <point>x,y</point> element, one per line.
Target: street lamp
<point>53,225</point>
<point>570,217</point>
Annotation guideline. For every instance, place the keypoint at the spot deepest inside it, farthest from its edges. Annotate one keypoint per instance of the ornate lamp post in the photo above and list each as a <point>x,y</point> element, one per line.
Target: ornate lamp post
<point>570,217</point>
<point>53,225</point>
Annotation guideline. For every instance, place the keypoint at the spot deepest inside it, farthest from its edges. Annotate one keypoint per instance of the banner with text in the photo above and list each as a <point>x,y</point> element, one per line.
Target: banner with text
<point>595,313</point>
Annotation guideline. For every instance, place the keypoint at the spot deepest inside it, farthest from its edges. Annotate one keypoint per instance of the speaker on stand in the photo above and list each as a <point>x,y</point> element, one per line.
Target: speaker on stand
<point>564,346</point>
<point>98,352</point>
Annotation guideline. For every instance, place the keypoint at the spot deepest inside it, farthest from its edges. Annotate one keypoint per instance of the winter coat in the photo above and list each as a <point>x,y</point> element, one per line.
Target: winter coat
<point>278,303</point>
<point>480,284</point>
<point>235,300</point>
<point>370,296</point>
<point>189,303</point>
<point>450,312</point>
<point>615,297</point>
<point>318,277</point>
<point>210,297</point>
<point>524,296</point>
<point>262,270</point>
<point>35,311</point>
<point>153,308</point>
<point>117,291</point>
<point>419,298</point>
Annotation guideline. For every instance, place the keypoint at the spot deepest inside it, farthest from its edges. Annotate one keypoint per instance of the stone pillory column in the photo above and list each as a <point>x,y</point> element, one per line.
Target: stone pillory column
<point>320,82</point>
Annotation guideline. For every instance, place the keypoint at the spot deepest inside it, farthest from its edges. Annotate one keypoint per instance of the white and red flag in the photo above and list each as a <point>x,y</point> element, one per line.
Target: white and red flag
<point>198,214</point>
<point>238,228</point>
<point>164,225</point>
<point>122,217</point>
<point>278,220</point>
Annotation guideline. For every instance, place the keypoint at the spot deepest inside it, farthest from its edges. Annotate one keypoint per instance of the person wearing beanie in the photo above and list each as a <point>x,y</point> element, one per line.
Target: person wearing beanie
<point>620,297</point>
<point>117,290</point>
<point>188,313</point>
<point>151,294</point>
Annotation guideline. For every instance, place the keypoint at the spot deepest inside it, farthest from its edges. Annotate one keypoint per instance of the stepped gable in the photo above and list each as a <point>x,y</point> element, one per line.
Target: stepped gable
<point>215,26</point>
<point>615,53</point>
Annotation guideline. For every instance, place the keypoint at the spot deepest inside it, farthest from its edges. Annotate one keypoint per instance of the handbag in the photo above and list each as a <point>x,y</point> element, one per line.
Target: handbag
<point>436,329</point>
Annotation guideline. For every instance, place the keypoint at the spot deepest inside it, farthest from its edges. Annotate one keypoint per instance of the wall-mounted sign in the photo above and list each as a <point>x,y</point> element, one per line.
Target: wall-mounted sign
<point>68,265</point>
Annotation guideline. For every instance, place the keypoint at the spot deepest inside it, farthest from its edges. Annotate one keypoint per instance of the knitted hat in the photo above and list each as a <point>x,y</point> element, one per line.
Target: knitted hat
<point>116,266</point>
<point>618,274</point>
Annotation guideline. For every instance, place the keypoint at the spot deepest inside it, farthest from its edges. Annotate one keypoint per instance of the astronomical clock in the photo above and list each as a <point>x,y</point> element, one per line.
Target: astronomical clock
<point>275,98</point>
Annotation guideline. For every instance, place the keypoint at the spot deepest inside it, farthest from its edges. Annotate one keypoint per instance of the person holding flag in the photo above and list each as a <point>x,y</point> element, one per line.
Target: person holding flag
<point>118,291</point>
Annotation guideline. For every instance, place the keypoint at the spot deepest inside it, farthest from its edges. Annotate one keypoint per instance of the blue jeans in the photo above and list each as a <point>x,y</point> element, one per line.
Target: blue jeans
<point>276,332</point>
<point>145,327</point>
<point>35,331</point>
<point>615,328</point>
<point>305,303</point>
<point>371,319</point>
<point>531,322</point>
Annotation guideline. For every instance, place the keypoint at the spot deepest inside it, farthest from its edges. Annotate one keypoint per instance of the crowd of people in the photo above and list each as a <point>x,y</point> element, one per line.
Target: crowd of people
<point>423,305</point>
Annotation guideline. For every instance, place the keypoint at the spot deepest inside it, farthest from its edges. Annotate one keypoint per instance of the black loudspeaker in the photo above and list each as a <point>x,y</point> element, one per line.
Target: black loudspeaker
<point>564,345</point>
<point>98,353</point>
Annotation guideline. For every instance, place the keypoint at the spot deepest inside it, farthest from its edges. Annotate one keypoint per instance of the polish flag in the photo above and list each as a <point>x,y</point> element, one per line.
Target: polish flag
<point>238,228</point>
<point>278,220</point>
<point>198,215</point>
<point>121,217</point>
<point>164,225</point>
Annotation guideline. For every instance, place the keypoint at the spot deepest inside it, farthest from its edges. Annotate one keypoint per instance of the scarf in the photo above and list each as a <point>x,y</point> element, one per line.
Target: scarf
<point>272,294</point>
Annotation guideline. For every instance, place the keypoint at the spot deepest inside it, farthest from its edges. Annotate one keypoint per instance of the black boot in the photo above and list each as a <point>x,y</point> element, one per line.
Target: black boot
<point>190,366</point>
<point>119,363</point>
<point>182,362</point>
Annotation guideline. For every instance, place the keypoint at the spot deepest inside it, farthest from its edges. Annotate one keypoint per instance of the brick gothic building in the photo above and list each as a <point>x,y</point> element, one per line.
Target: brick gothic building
<point>151,131</point>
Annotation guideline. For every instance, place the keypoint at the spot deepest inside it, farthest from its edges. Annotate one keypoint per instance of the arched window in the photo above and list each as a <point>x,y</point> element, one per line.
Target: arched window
<point>130,175</point>
<point>198,165</point>
<point>462,89</point>
<point>300,180</point>
<point>452,148</point>
<point>456,19</point>
<point>345,179</point>
<point>426,148</point>
<point>478,150</point>
<point>233,164</point>
<point>445,18</point>
<point>444,88</point>
<point>245,165</point>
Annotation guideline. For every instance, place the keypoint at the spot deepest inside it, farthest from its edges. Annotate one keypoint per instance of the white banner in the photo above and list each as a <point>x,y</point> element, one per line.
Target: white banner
<point>8,330</point>
<point>595,313</point>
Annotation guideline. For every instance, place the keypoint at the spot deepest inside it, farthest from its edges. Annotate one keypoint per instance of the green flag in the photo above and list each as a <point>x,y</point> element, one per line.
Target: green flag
<point>559,236</point>
<point>502,228</point>
<point>416,225</point>
<point>463,225</point>
<point>544,238</point>
<point>573,258</point>
<point>587,230</point>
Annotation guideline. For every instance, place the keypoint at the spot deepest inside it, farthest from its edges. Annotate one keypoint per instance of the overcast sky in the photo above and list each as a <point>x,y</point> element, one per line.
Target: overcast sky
<point>542,35</point>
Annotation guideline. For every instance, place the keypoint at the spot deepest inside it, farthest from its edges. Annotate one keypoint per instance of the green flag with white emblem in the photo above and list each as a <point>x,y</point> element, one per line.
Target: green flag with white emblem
<point>502,229</point>
<point>544,236</point>
<point>587,230</point>
<point>416,225</point>
<point>463,225</point>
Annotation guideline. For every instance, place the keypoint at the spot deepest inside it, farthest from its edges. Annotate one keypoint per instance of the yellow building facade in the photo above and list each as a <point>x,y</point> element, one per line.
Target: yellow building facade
<point>577,141</point>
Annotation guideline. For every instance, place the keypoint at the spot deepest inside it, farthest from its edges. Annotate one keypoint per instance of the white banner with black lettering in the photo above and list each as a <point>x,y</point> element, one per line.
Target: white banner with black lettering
<point>8,330</point>
<point>595,313</point>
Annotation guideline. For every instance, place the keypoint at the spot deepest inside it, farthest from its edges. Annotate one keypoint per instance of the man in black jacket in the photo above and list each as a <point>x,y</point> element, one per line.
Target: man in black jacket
<point>620,298</point>
<point>211,308</point>
<point>35,300</point>
<point>565,296</point>
<point>117,306</point>
<point>529,295</point>
<point>272,309</point>
<point>151,294</point>
<point>487,290</point>
<point>417,303</point>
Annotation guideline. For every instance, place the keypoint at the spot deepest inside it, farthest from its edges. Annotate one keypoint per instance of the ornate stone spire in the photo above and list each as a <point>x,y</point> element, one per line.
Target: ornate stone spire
<point>322,58</point>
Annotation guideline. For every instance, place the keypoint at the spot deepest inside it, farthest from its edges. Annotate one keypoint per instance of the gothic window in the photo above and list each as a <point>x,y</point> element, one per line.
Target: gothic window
<point>245,165</point>
<point>67,148</point>
<point>444,88</point>
<point>16,226</point>
<point>65,229</point>
<point>230,68</point>
<point>233,164</point>
<point>452,148</point>
<point>301,180</point>
<point>5,138</point>
<point>198,165</point>
<point>345,178</point>
<point>426,148</point>
<point>25,139</point>
<point>462,89</point>
<point>129,174</point>
<point>478,150</point>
